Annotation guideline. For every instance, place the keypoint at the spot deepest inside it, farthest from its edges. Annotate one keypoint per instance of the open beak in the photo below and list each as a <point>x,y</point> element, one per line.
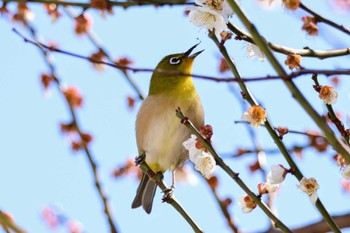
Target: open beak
<point>188,52</point>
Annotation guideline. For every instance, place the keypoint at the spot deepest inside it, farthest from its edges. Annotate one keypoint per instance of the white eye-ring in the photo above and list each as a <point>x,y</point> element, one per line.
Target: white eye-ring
<point>174,60</point>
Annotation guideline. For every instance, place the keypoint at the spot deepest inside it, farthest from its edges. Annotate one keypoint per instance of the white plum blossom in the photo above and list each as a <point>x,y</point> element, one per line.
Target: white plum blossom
<point>211,14</point>
<point>254,52</point>
<point>264,188</point>
<point>247,204</point>
<point>262,159</point>
<point>309,186</point>
<point>203,17</point>
<point>255,115</point>
<point>206,165</point>
<point>328,94</point>
<point>190,145</point>
<point>277,174</point>
<point>203,161</point>
<point>346,172</point>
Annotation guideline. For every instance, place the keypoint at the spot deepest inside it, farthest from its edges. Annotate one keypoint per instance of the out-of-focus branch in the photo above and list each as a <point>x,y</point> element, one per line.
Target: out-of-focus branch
<point>343,221</point>
<point>112,3</point>
<point>223,203</point>
<point>92,163</point>
<point>9,224</point>
<point>291,131</point>
<point>305,52</point>
<point>320,18</point>
<point>94,41</point>
<point>235,176</point>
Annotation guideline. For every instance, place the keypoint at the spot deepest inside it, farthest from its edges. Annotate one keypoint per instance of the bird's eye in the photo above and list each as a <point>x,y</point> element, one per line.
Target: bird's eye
<point>174,60</point>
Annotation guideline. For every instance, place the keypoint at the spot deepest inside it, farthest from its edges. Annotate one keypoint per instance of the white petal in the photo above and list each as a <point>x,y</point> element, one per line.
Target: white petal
<point>276,175</point>
<point>204,17</point>
<point>246,117</point>
<point>346,172</point>
<point>246,210</point>
<point>313,198</point>
<point>271,188</point>
<point>190,145</point>
<point>206,165</point>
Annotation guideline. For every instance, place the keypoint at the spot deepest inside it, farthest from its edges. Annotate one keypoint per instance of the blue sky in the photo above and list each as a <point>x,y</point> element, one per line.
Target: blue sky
<point>39,169</point>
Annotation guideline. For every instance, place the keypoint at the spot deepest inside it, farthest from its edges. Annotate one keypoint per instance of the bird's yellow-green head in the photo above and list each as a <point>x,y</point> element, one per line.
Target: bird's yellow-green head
<point>167,78</point>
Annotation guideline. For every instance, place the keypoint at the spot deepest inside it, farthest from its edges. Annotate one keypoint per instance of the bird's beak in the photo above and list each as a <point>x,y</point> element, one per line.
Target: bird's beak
<point>188,52</point>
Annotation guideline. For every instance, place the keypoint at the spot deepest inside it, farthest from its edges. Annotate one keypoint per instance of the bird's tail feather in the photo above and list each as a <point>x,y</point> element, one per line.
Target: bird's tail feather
<point>145,194</point>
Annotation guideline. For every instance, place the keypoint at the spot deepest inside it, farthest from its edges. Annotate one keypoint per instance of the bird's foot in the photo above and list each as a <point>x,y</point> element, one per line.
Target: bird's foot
<point>140,159</point>
<point>168,194</point>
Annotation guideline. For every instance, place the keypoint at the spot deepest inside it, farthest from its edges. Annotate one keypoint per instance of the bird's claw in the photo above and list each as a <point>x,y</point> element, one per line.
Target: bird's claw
<point>140,159</point>
<point>168,194</point>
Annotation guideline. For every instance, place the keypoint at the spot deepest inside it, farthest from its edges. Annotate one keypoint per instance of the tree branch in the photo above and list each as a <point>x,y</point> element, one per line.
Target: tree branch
<point>124,5</point>
<point>321,19</point>
<point>89,156</point>
<point>305,52</point>
<point>7,223</point>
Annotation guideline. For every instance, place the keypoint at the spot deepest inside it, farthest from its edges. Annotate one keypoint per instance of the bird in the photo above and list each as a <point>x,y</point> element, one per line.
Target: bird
<point>159,133</point>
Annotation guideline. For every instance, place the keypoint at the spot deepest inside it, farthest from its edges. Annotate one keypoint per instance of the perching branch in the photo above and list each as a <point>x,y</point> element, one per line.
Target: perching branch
<point>170,199</point>
<point>89,156</point>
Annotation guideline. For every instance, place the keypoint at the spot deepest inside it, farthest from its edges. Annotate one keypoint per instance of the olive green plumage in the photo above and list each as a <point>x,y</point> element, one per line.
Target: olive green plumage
<point>159,134</point>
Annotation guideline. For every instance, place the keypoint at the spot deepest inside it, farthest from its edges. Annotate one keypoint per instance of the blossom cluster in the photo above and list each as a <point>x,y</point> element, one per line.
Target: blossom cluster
<point>198,154</point>
<point>211,14</point>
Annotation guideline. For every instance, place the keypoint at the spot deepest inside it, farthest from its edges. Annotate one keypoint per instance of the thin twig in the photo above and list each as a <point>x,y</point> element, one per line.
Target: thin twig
<point>290,76</point>
<point>92,163</point>
<point>331,114</point>
<point>322,19</point>
<point>224,209</point>
<point>305,52</point>
<point>124,5</point>
<point>94,41</point>
<point>289,131</point>
<point>321,226</point>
